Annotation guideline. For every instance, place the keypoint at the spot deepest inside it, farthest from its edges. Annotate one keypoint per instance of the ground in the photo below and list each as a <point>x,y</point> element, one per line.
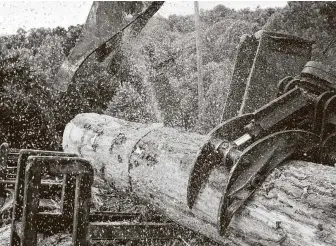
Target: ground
<point>104,199</point>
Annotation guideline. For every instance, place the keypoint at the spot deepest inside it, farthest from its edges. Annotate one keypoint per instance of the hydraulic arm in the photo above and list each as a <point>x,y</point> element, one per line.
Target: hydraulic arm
<point>299,123</point>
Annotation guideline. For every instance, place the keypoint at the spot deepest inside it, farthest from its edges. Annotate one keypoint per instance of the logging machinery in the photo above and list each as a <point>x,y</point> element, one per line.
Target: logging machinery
<point>280,106</point>
<point>106,23</point>
<point>300,123</point>
<point>297,121</point>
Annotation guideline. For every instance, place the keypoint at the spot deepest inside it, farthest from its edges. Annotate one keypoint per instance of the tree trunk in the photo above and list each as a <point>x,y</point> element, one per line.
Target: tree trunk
<point>199,62</point>
<point>294,206</point>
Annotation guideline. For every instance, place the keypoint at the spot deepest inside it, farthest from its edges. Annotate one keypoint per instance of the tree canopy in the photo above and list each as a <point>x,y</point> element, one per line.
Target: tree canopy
<point>162,55</point>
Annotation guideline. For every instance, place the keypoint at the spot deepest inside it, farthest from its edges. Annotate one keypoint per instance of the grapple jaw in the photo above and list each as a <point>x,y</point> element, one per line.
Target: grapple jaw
<point>256,163</point>
<point>299,124</point>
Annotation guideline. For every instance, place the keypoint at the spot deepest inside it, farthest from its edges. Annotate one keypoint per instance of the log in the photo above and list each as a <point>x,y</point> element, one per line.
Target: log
<point>294,206</point>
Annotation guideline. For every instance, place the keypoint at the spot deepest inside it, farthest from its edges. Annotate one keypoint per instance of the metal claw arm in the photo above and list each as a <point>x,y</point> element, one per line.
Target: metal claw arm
<point>255,164</point>
<point>252,145</point>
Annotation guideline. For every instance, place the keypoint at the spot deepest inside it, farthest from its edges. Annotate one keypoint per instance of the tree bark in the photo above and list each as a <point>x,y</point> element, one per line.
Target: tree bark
<point>294,206</point>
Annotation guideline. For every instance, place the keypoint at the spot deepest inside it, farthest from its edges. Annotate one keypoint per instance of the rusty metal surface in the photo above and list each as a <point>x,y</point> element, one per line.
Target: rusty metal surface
<point>107,216</point>
<point>75,205</point>
<point>9,161</point>
<point>21,166</point>
<point>4,149</point>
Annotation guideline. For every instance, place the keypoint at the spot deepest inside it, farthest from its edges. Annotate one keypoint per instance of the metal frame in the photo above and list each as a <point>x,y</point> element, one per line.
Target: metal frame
<point>47,189</point>
<point>75,209</point>
<point>87,228</point>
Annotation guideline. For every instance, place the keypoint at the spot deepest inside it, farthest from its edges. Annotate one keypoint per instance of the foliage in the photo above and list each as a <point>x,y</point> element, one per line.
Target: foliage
<point>158,66</point>
<point>315,21</point>
<point>24,101</point>
<point>128,105</point>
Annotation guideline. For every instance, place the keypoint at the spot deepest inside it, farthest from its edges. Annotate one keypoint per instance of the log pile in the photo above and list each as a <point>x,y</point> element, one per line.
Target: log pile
<point>295,206</point>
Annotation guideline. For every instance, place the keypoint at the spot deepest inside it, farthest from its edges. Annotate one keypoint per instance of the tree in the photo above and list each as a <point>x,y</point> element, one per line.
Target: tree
<point>311,20</point>
<point>159,65</point>
<point>199,63</point>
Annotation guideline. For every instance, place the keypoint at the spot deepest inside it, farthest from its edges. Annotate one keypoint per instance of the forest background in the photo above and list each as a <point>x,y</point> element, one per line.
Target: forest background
<point>33,115</point>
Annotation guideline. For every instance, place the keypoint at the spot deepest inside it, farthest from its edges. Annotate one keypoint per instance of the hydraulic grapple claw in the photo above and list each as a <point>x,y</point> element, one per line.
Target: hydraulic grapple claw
<point>301,120</point>
<point>256,163</point>
<point>209,155</point>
